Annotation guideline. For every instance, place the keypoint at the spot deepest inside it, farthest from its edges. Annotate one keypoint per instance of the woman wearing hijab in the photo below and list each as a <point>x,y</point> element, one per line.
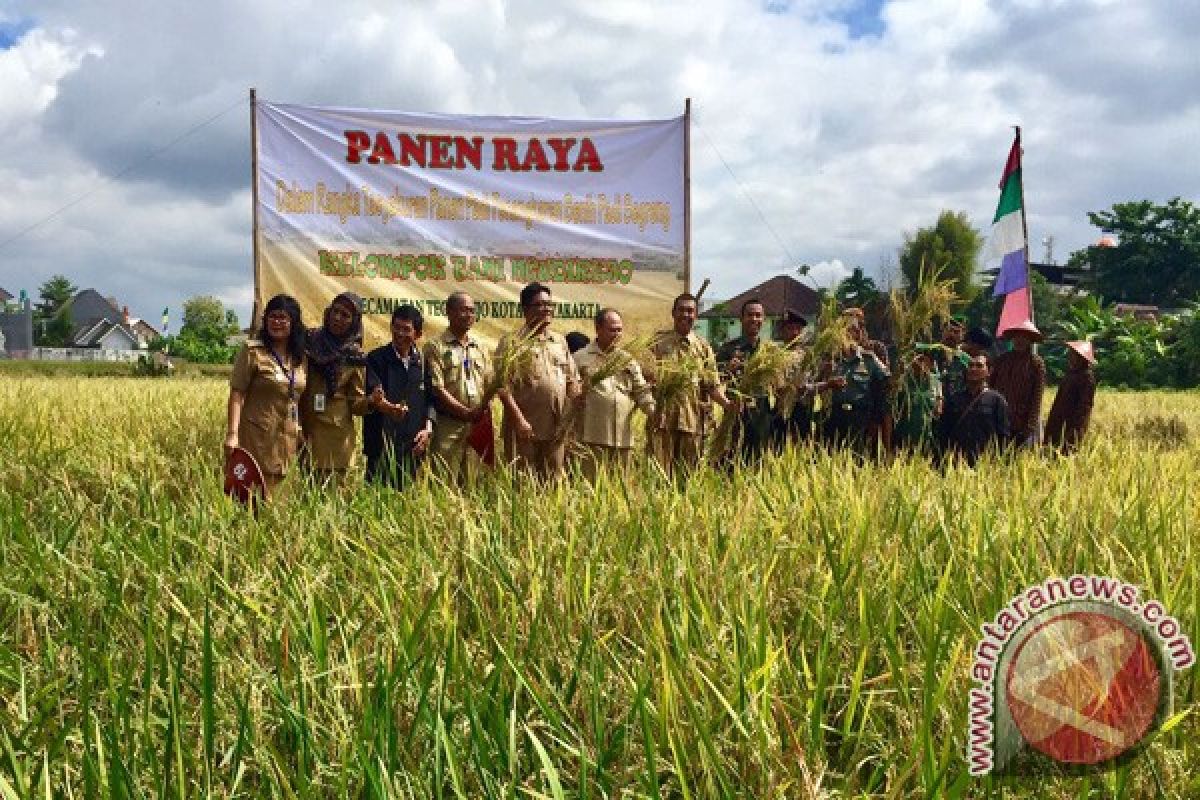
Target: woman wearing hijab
<point>265,388</point>
<point>336,388</point>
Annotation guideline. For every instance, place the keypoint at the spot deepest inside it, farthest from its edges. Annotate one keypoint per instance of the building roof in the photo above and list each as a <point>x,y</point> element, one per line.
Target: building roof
<point>4,295</point>
<point>88,307</point>
<point>92,336</point>
<point>777,295</point>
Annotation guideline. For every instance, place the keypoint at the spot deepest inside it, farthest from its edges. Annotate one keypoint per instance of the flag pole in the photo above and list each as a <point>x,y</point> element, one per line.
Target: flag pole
<point>687,194</point>
<point>254,203</point>
<point>1025,229</point>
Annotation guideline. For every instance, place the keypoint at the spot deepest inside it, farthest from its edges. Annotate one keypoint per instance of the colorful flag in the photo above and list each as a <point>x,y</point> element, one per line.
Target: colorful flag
<point>1008,246</point>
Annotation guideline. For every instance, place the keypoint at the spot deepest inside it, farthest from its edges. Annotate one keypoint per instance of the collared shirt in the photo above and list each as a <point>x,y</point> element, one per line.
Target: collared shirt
<point>866,384</point>
<point>268,392</point>
<point>332,434</point>
<point>607,417</point>
<point>404,381</point>
<point>542,393</point>
<point>461,369</point>
<point>686,414</point>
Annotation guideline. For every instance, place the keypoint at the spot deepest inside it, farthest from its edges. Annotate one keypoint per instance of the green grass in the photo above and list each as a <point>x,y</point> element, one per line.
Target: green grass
<point>802,630</point>
<point>13,368</point>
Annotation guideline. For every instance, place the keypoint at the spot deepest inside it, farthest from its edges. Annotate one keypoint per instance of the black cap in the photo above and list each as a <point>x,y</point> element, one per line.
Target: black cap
<point>792,317</point>
<point>979,336</point>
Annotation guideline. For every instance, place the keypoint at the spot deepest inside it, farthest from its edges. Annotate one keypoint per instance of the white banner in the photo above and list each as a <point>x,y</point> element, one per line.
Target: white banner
<point>403,207</point>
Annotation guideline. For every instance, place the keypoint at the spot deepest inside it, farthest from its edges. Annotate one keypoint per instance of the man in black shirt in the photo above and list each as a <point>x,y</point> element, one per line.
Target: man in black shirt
<point>975,418</point>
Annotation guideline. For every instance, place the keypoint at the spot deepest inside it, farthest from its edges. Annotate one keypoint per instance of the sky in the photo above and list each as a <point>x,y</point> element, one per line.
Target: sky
<point>823,130</point>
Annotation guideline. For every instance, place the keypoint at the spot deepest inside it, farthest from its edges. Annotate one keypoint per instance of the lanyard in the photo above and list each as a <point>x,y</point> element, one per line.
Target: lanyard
<point>291,374</point>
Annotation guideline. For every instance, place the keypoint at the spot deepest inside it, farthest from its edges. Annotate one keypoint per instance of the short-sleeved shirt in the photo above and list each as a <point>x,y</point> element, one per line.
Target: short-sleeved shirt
<point>332,433</point>
<point>542,393</point>
<point>461,369</point>
<point>685,414</point>
<point>865,378</point>
<point>607,417</point>
<point>263,430</point>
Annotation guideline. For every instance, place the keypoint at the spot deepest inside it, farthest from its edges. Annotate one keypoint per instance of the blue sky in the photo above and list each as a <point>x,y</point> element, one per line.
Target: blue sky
<point>11,31</point>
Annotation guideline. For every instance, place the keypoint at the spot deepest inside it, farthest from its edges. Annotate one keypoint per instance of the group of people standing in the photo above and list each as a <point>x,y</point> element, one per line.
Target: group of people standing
<point>295,393</point>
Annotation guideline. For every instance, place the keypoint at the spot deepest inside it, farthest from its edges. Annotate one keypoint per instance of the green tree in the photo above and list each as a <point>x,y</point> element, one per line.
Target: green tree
<point>947,251</point>
<point>857,289</point>
<point>1157,257</point>
<point>51,317</point>
<point>207,324</point>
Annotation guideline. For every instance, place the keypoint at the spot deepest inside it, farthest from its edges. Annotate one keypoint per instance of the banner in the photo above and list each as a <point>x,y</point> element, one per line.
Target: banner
<point>407,208</point>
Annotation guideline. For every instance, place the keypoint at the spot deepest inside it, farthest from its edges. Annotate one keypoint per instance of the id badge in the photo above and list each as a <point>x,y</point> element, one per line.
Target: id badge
<point>319,403</point>
<point>292,425</point>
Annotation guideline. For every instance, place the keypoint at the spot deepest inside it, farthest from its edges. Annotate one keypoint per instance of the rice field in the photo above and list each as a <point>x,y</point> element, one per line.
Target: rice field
<point>800,630</point>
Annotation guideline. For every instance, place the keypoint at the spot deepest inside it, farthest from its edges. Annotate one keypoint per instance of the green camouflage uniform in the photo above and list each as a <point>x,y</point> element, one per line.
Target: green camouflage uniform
<point>856,411</point>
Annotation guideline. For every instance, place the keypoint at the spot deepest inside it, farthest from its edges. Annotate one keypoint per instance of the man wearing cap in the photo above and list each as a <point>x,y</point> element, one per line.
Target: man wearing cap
<point>976,417</point>
<point>1071,410</point>
<point>1020,375</point>
<point>757,415</point>
<point>793,423</point>
<point>677,429</point>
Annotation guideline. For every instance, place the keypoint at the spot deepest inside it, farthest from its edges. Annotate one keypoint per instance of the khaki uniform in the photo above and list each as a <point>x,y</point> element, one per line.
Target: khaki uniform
<point>463,371</point>
<point>332,434</point>
<point>605,426</point>
<point>264,430</point>
<point>680,439</point>
<point>542,397</point>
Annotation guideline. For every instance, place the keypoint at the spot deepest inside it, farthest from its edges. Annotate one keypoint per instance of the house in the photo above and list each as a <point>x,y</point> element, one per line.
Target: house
<point>5,297</point>
<point>720,323</point>
<point>108,335</point>
<point>88,307</point>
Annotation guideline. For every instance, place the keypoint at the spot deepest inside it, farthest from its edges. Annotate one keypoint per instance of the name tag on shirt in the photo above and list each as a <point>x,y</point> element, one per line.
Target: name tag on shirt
<point>318,403</point>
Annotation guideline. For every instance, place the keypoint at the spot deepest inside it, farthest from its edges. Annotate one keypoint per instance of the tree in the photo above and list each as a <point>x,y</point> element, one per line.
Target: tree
<point>1156,260</point>
<point>53,321</point>
<point>856,289</point>
<point>947,251</point>
<point>202,336</point>
<point>206,318</point>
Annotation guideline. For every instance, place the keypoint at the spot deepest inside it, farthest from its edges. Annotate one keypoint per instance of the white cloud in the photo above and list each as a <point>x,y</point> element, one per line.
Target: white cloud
<point>843,143</point>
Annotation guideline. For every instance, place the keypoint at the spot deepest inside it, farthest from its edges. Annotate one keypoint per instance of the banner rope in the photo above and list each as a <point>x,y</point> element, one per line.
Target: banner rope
<point>241,101</point>
<point>791,259</point>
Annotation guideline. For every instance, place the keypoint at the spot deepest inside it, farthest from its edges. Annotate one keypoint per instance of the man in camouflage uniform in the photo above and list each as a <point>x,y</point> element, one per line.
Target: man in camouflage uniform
<point>757,414</point>
<point>950,359</point>
<point>858,384</point>
<point>459,369</point>
<point>676,430</point>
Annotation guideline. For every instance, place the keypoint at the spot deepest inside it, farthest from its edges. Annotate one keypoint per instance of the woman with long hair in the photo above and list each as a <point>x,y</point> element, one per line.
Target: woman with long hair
<point>269,377</point>
<point>336,388</point>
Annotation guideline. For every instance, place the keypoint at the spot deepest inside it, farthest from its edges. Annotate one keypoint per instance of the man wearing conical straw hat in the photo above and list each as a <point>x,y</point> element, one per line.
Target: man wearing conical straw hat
<point>1020,376</point>
<point>1072,408</point>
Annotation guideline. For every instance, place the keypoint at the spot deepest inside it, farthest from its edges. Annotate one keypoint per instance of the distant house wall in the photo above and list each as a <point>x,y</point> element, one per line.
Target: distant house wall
<point>116,339</point>
<point>83,354</point>
<point>17,326</point>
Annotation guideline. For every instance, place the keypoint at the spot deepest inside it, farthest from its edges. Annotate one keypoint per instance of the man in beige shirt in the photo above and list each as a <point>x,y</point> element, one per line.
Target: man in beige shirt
<point>613,386</point>
<point>678,427</point>
<point>535,402</point>
<point>459,369</point>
